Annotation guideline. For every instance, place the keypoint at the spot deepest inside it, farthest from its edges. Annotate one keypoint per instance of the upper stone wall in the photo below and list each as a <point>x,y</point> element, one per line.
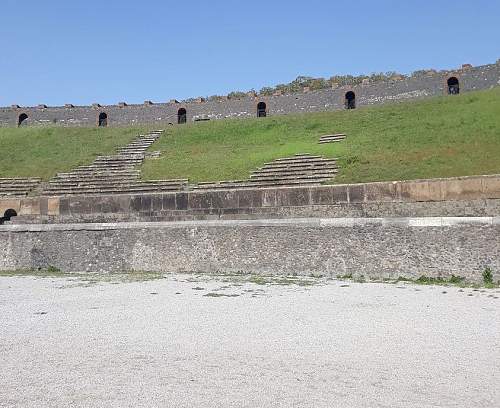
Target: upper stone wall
<point>471,79</point>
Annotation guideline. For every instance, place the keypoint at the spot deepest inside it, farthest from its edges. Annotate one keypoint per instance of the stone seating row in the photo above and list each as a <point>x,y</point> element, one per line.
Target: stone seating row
<point>116,173</point>
<point>332,138</point>
<point>18,186</point>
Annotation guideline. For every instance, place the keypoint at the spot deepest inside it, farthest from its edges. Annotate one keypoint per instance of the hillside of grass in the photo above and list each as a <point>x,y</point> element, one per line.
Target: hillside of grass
<point>42,152</point>
<point>437,137</point>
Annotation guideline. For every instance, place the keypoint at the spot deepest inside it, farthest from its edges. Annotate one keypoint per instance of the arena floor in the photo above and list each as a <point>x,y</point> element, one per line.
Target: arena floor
<point>198,341</point>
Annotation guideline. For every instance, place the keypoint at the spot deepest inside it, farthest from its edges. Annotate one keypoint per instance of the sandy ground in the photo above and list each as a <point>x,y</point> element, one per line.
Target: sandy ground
<point>65,342</point>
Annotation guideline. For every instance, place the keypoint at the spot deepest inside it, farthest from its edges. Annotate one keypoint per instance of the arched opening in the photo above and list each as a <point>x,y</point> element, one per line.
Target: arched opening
<point>350,100</point>
<point>103,119</point>
<point>181,116</point>
<point>22,120</point>
<point>261,110</point>
<point>453,86</point>
<point>8,215</point>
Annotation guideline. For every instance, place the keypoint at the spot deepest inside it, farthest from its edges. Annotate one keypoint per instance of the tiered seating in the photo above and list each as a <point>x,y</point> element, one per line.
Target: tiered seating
<point>113,174</point>
<point>301,169</point>
<point>332,138</point>
<point>18,186</point>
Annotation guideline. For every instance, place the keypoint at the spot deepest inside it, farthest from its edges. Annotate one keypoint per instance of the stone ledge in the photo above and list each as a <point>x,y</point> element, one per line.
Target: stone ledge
<point>404,222</point>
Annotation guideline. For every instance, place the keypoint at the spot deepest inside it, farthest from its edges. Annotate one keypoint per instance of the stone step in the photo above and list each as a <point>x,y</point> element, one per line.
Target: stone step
<point>20,179</point>
<point>258,184</point>
<point>14,188</point>
<point>145,189</point>
<point>105,167</point>
<point>285,178</point>
<point>321,166</point>
<point>105,183</point>
<point>92,178</point>
<point>119,159</point>
<point>332,138</point>
<point>311,164</point>
<point>100,174</point>
<point>293,175</point>
<point>298,157</point>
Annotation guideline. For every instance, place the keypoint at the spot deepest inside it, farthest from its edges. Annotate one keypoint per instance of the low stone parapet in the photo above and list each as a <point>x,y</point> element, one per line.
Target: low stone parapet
<point>476,195</point>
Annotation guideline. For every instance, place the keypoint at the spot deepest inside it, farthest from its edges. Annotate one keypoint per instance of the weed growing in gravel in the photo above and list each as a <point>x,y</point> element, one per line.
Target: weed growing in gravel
<point>488,276</point>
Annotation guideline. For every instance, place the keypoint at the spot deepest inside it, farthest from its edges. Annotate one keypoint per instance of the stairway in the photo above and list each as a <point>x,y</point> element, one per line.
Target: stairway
<point>301,169</point>
<point>114,174</point>
<point>18,186</point>
<point>332,138</point>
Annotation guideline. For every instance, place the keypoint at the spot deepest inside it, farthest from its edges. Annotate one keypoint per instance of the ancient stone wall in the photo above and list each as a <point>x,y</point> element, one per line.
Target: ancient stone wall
<point>483,77</point>
<point>373,248</point>
<point>459,196</point>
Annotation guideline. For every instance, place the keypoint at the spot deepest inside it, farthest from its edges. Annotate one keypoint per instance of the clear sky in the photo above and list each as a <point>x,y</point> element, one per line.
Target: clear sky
<point>107,51</point>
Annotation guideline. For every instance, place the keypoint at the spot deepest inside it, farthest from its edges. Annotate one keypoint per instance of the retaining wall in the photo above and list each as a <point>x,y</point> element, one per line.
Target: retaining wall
<point>476,78</point>
<point>459,196</point>
<point>374,248</point>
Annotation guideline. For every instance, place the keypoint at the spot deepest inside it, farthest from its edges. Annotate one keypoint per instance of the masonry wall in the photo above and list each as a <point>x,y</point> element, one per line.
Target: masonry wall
<point>374,248</point>
<point>483,77</point>
<point>458,196</point>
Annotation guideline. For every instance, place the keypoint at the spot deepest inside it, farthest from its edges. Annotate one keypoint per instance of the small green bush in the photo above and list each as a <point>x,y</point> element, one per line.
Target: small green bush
<point>488,276</point>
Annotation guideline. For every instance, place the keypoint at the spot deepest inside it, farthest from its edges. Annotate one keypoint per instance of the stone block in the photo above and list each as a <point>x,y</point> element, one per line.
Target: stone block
<point>381,192</point>
<point>14,204</point>
<point>44,205</point>
<point>462,189</point>
<point>135,203</point>
<point>181,201</point>
<point>356,193</point>
<point>157,202</point>
<point>321,195</point>
<point>146,203</point>
<point>168,201</point>
<point>340,194</point>
<point>223,199</point>
<point>30,206</point>
<point>123,203</point>
<point>53,206</point>
<point>420,191</point>
<point>268,198</point>
<point>250,198</point>
<point>299,197</point>
<point>199,200</point>
<point>491,187</point>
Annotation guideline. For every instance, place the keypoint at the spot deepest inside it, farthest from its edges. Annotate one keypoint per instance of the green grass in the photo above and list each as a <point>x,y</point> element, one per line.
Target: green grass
<point>436,137</point>
<point>42,151</point>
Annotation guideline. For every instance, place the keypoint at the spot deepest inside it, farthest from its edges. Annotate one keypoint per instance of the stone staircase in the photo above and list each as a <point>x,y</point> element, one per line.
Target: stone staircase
<point>18,186</point>
<point>332,138</point>
<point>114,174</point>
<point>301,169</point>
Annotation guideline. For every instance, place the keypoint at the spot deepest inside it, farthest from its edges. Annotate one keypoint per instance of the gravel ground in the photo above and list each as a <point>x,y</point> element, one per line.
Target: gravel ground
<point>187,341</point>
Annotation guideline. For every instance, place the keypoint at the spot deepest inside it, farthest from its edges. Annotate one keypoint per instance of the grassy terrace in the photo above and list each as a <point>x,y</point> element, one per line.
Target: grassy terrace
<point>438,137</point>
<point>42,152</point>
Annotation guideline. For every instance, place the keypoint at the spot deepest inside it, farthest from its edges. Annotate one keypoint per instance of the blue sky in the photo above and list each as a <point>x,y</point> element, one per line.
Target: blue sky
<point>107,51</point>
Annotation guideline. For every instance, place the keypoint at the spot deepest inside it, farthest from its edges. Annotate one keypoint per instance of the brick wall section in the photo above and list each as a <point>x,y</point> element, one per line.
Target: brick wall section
<point>460,196</point>
<point>380,248</point>
<point>483,77</point>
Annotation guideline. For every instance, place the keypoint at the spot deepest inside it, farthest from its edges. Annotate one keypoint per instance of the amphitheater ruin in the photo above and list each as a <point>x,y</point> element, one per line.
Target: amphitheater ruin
<point>282,219</point>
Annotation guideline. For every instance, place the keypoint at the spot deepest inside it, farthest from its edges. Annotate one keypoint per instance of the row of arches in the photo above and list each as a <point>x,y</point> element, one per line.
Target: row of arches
<point>453,88</point>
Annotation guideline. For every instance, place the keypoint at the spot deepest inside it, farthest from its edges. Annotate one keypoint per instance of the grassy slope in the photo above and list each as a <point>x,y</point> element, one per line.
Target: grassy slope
<point>438,137</point>
<point>41,152</point>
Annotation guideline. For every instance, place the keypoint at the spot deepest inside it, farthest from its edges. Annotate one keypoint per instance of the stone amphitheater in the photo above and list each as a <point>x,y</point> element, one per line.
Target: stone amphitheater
<point>118,174</point>
<point>285,218</point>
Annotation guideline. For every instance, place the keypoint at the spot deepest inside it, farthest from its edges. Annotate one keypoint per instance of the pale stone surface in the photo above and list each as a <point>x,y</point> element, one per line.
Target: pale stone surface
<point>164,343</point>
<point>372,247</point>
